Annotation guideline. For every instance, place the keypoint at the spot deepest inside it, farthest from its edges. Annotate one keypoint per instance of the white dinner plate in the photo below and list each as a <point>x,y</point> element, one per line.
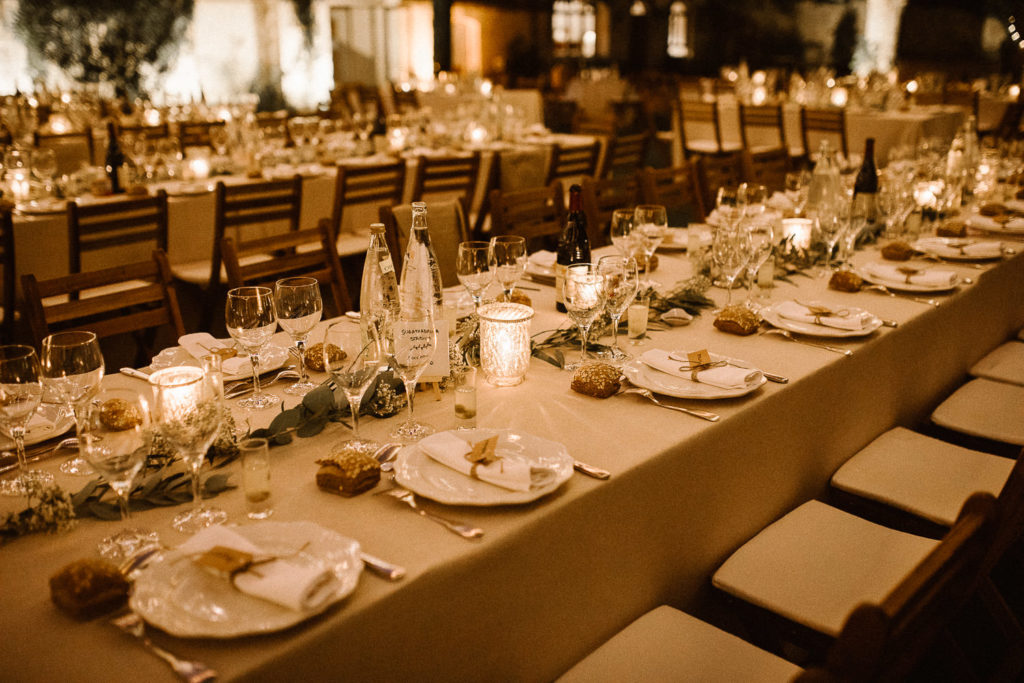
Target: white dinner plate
<point>772,317</point>
<point>1015,226</point>
<point>418,472</point>
<point>184,600</point>
<point>43,207</point>
<point>272,358</point>
<point>949,248</point>
<point>898,286</point>
<point>48,422</point>
<point>675,240</point>
<point>642,375</point>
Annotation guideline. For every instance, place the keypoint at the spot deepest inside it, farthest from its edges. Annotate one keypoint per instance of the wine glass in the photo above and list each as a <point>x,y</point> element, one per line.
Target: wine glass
<point>249,317</point>
<point>650,222</point>
<point>44,166</point>
<point>298,306</point>
<point>797,186</point>
<point>762,243</point>
<point>583,293</point>
<point>72,368</point>
<point>409,342</point>
<point>187,408</point>
<point>20,393</point>
<point>621,229</point>
<point>755,200</point>
<point>508,261</point>
<point>354,369</point>
<point>116,438</point>
<point>730,247</point>
<point>730,204</point>
<point>472,264</point>
<point>621,282</point>
<point>832,219</point>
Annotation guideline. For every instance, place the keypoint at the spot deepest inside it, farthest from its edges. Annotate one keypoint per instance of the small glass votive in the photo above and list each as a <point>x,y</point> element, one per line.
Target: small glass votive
<point>698,244</point>
<point>505,342</point>
<point>636,319</point>
<point>255,456</point>
<point>465,398</point>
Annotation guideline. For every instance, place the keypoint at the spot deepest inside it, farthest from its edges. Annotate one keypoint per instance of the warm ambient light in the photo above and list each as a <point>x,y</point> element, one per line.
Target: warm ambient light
<point>505,342</point>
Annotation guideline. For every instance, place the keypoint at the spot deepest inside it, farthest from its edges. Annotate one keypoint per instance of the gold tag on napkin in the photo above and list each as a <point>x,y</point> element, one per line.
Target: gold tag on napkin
<point>909,272</point>
<point>701,357</point>
<point>483,452</point>
<point>223,561</point>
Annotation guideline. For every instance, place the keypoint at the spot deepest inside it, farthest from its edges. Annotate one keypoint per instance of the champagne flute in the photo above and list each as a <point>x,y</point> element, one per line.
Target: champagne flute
<point>472,264</point>
<point>72,368</point>
<point>116,438</point>
<point>583,292</point>
<point>730,248</point>
<point>20,393</point>
<point>299,306</point>
<point>249,317</point>
<point>650,222</point>
<point>621,229</point>
<point>187,408</point>
<point>508,261</point>
<point>354,369</point>
<point>409,342</point>
<point>621,282</point>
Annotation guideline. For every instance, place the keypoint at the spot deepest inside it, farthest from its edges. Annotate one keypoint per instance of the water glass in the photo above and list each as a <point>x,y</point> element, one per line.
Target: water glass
<point>650,223</point>
<point>583,293</point>
<point>508,261</point>
<point>465,397</point>
<point>298,306</point>
<point>621,229</point>
<point>255,456</point>
<point>72,368</point>
<point>636,317</point>
<point>621,282</point>
<point>472,265</point>
<point>20,393</point>
<point>251,321</point>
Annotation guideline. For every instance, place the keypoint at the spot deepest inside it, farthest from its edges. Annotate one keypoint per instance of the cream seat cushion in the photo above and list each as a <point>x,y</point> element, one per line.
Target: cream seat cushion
<point>818,563</point>
<point>1004,364</point>
<point>921,475</point>
<point>985,408</point>
<point>668,645</point>
<point>709,146</point>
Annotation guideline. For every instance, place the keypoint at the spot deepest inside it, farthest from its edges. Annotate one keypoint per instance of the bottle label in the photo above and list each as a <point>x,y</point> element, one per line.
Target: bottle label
<point>559,281</point>
<point>386,266</point>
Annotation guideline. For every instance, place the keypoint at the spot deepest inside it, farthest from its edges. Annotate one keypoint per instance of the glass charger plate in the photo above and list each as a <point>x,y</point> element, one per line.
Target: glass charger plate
<point>949,248</point>
<point>772,317</point>
<point>646,377</point>
<point>180,598</point>
<point>49,421</point>
<point>420,473</point>
<point>272,358</point>
<point>898,286</point>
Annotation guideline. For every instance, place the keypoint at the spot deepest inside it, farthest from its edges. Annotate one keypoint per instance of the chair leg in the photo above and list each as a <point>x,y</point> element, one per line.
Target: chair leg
<point>1012,663</point>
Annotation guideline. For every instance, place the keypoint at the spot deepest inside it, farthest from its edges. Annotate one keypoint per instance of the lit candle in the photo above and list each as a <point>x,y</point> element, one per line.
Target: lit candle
<point>759,96</point>
<point>798,231</point>
<point>505,342</point>
<point>21,188</point>
<point>839,97</point>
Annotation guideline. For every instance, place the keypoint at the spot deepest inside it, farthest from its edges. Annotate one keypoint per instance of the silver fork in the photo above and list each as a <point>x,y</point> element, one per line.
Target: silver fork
<point>790,336</point>
<point>646,393</point>
<point>409,498</point>
<point>189,671</point>
<point>885,290</point>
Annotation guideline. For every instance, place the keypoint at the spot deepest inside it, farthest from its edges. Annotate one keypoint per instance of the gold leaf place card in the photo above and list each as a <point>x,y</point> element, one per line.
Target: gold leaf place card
<point>484,452</point>
<point>223,561</point>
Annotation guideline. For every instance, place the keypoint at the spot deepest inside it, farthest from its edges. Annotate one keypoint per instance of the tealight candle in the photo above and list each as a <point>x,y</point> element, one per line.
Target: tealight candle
<point>505,342</point>
<point>798,231</point>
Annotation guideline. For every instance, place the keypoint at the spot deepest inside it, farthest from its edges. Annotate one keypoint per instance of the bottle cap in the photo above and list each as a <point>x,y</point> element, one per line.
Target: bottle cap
<point>377,228</point>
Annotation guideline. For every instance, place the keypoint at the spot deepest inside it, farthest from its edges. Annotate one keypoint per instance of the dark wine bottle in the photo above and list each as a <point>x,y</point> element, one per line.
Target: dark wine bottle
<point>573,243</point>
<point>115,160</point>
<point>865,189</point>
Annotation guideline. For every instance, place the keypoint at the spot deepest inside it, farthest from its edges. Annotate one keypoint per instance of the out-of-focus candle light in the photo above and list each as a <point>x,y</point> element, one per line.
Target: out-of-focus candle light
<point>505,342</point>
<point>478,133</point>
<point>912,86</point>
<point>198,163</point>
<point>759,95</point>
<point>486,87</point>
<point>798,231</point>
<point>1014,91</point>
<point>151,116</point>
<point>839,97</point>
<point>59,123</point>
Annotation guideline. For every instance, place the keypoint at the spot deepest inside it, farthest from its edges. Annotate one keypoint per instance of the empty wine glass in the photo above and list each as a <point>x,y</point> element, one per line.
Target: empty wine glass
<point>650,222</point>
<point>831,222</point>
<point>621,283</point>
<point>755,200</point>
<point>730,249</point>
<point>508,261</point>
<point>250,320</point>
<point>409,342</point>
<point>299,306</point>
<point>116,438</point>
<point>20,393</point>
<point>762,244</point>
<point>797,186</point>
<point>730,205</point>
<point>187,408</point>
<point>354,369</point>
<point>44,166</point>
<point>620,230</point>
<point>472,265</point>
<point>72,368</point>
<point>583,293</point>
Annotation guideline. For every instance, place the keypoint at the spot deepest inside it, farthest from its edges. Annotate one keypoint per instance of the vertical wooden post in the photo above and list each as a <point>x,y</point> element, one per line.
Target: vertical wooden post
<point>442,35</point>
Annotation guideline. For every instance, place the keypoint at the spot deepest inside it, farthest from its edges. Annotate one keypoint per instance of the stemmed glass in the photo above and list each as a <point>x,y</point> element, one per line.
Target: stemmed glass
<point>116,439</point>
<point>762,243</point>
<point>20,394</point>
<point>583,293</point>
<point>797,186</point>
<point>409,342</point>
<point>832,220</point>
<point>650,222</point>
<point>621,283</point>
<point>508,261</point>
<point>250,320</point>
<point>354,369</point>
<point>44,166</point>
<point>72,368</point>
<point>187,408</point>
<point>730,249</point>
<point>621,229</point>
<point>473,268</point>
<point>754,199</point>
<point>731,204</point>
<point>299,306</point>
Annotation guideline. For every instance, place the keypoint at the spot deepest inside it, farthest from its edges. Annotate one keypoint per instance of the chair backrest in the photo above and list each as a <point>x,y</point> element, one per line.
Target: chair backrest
<point>197,134</point>
<point>677,189</point>
<point>447,176</point>
<point>573,161</point>
<point>446,220</point>
<point>8,282</point>
<point>715,171</point>
<point>823,123</point>
<point>561,115</point>
<point>71,150</point>
<point>405,99</point>
<point>768,168</point>
<point>884,642</point>
<point>625,155</point>
<point>534,213</point>
<point>273,125</point>
<point>113,226</point>
<point>160,130</point>
<point>307,253</point>
<point>377,185</point>
<point>127,298</point>
<point>699,121</point>
<point>600,199</point>
<point>762,126</point>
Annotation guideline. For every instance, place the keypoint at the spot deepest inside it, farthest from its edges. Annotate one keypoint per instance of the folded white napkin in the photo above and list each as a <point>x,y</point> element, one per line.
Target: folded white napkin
<point>723,377</point>
<point>199,344</point>
<point>980,222</point>
<point>543,259</point>
<point>1014,205</point>
<point>791,310</point>
<point>949,248</point>
<point>279,581</point>
<point>450,450</point>
<point>781,202</point>
<point>924,278</point>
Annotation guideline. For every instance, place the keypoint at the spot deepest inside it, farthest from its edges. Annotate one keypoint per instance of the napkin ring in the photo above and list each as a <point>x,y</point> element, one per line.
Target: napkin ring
<point>695,368</point>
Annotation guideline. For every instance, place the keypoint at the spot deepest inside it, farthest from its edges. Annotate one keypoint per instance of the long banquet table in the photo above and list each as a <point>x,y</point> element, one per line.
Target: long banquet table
<point>551,580</point>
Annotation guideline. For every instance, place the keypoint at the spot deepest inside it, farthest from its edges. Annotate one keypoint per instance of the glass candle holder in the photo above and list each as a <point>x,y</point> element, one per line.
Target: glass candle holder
<point>505,342</point>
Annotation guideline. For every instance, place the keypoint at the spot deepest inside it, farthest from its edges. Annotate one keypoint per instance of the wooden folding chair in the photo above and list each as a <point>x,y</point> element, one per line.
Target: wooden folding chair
<point>377,185</point>
<point>446,177</point>
<point>306,253</point>
<point>538,214</point>
<point>7,307</point>
<point>701,129</point>
<point>715,171</point>
<point>573,161</point>
<point>824,123</point>
<point>600,199</point>
<point>405,100</point>
<point>160,130</point>
<point>197,134</point>
<point>761,128</point>
<point>625,155</point>
<point>677,189</point>
<point>131,298</point>
<point>768,168</point>
<point>70,149</point>
<point>448,227</point>
<point>111,226</point>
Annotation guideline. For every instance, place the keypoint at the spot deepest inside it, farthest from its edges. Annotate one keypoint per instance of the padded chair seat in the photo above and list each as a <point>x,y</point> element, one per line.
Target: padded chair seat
<point>98,291</point>
<point>818,563</point>
<point>1004,364</point>
<point>921,475</point>
<point>985,408</point>
<point>198,272</point>
<point>668,645</point>
<point>710,147</point>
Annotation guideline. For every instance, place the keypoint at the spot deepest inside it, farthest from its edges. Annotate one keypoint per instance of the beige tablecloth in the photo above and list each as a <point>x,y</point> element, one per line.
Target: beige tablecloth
<point>551,580</point>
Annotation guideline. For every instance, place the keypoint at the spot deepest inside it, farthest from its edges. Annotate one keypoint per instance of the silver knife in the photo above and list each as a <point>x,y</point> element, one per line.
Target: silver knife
<point>137,374</point>
<point>382,568</point>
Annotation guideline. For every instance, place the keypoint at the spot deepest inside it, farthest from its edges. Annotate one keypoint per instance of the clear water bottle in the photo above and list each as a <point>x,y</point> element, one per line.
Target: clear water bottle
<point>421,275</point>
<point>378,293</point>
<point>825,184</point>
